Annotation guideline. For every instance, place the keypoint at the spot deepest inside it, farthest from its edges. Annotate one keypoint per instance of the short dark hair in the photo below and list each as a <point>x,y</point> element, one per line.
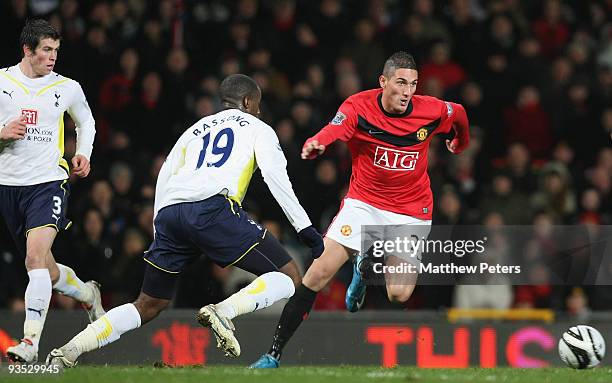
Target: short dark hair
<point>36,30</point>
<point>234,88</point>
<point>398,60</point>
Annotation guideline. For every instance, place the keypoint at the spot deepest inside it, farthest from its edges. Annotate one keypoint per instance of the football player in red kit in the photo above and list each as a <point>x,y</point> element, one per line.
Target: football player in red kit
<point>388,131</point>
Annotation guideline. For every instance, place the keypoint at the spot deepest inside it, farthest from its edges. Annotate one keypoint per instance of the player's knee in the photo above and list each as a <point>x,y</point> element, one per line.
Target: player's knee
<point>296,278</point>
<point>317,277</point>
<point>35,260</point>
<point>149,312</point>
<point>149,307</point>
<point>398,297</point>
<point>54,273</point>
<point>399,294</point>
<point>291,270</point>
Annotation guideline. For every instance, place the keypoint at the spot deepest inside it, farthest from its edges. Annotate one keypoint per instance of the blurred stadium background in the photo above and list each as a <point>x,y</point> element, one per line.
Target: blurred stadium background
<point>534,76</point>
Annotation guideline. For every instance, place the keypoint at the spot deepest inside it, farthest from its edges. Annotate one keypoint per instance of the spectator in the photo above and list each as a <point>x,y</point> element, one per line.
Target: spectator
<point>503,199</point>
<point>94,252</point>
<point>551,29</point>
<point>555,195</point>
<point>529,123</point>
<point>518,166</point>
<point>441,67</point>
<point>366,52</point>
<point>128,268</point>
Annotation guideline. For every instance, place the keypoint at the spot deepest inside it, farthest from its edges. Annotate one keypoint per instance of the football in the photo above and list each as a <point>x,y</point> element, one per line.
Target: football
<point>582,347</point>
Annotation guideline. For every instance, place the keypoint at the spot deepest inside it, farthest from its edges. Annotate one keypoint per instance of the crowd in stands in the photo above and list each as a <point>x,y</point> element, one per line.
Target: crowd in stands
<point>535,78</point>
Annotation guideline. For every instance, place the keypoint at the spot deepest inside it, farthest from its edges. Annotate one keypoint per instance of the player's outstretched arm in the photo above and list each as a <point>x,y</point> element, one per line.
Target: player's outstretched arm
<point>273,165</point>
<point>312,149</point>
<point>342,127</point>
<point>461,126</point>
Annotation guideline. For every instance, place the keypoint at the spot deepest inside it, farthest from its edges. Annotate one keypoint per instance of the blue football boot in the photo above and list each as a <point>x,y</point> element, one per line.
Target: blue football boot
<point>355,294</point>
<point>266,361</point>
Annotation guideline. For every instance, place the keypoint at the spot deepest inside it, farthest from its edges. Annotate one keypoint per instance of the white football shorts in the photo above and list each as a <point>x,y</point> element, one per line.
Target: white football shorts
<point>357,217</point>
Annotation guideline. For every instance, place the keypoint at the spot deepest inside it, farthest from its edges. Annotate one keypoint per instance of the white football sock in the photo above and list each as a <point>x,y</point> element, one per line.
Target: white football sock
<point>70,285</point>
<point>103,331</point>
<point>37,297</point>
<point>262,292</point>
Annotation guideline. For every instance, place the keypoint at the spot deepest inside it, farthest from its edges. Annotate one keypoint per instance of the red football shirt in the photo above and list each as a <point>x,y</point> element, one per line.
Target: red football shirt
<point>389,151</point>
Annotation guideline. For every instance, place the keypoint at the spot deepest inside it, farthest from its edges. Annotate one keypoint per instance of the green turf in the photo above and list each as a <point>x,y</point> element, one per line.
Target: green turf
<point>340,374</point>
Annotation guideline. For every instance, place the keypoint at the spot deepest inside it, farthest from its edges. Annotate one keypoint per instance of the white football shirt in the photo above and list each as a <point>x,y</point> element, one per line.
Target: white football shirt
<point>39,156</point>
<point>218,155</point>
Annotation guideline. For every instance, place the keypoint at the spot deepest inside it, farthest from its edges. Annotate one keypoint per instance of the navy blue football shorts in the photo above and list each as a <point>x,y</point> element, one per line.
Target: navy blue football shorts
<point>217,228</point>
<point>26,208</point>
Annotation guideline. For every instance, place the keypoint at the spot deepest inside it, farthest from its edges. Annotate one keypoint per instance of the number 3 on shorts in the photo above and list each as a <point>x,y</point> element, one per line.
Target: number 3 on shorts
<point>57,205</point>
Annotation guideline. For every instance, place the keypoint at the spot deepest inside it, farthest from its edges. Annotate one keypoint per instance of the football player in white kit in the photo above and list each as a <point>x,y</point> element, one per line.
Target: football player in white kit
<point>34,174</point>
<point>197,211</point>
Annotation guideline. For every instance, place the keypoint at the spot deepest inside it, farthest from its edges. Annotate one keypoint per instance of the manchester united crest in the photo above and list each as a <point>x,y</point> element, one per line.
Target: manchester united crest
<point>346,230</point>
<point>421,134</point>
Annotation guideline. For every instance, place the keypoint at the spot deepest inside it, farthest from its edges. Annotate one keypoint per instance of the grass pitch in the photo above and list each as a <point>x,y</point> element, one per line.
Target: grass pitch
<point>336,374</point>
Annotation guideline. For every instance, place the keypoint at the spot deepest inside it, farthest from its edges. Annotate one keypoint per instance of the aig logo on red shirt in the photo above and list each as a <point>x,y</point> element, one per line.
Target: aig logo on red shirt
<point>392,159</point>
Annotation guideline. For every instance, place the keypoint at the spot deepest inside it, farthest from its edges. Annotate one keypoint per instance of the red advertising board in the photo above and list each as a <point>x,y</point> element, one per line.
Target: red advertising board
<point>388,339</point>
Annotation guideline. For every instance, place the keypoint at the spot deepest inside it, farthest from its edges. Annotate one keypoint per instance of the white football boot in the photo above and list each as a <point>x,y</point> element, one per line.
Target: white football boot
<point>56,358</point>
<point>24,352</point>
<point>94,310</point>
<point>222,327</point>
